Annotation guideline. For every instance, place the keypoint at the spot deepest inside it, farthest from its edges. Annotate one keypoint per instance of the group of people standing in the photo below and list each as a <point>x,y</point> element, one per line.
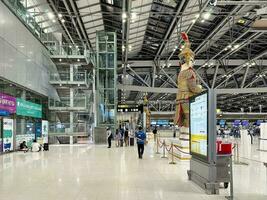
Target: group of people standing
<point>122,136</point>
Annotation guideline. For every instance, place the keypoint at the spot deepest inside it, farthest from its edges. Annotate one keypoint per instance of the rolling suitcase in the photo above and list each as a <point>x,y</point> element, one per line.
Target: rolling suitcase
<point>121,143</point>
<point>131,141</point>
<point>46,147</point>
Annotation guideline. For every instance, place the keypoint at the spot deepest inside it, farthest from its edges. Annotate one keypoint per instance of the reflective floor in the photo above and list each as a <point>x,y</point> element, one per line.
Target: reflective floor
<point>89,172</point>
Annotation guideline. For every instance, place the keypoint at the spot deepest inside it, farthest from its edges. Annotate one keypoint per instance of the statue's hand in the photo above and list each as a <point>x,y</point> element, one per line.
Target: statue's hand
<point>200,87</point>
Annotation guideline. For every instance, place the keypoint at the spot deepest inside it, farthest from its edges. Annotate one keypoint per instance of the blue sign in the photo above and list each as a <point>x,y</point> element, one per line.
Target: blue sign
<point>4,113</point>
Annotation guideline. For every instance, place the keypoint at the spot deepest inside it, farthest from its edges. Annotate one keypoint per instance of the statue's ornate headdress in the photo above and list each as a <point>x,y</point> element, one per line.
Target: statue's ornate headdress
<point>186,55</point>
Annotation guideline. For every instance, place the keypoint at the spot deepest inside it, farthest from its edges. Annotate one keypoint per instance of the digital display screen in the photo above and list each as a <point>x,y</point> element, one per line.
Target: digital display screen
<point>222,123</point>
<point>199,125</point>
<point>259,122</point>
<point>245,123</point>
<point>237,123</point>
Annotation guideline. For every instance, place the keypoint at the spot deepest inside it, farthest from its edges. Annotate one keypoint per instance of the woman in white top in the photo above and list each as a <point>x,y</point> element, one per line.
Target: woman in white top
<point>36,147</point>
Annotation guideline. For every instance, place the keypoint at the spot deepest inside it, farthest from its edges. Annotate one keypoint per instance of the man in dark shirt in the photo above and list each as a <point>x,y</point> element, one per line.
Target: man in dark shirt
<point>141,138</point>
<point>126,137</point>
<point>155,131</point>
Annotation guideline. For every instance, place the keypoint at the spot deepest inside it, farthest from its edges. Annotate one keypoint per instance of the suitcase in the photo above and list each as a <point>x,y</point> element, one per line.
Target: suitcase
<point>46,147</point>
<point>121,143</point>
<point>131,141</point>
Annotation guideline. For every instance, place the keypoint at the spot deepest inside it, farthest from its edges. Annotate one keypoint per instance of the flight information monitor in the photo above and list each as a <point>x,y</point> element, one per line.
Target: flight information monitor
<point>199,125</point>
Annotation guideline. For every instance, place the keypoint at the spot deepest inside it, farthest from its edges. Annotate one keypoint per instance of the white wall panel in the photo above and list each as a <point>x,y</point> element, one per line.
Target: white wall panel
<point>23,59</point>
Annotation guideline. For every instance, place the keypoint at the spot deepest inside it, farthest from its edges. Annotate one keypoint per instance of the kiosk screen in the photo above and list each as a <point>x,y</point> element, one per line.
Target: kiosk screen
<point>199,125</point>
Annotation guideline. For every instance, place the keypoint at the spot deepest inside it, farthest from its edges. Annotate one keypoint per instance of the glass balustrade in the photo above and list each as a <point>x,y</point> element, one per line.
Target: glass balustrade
<point>42,32</point>
<point>65,102</point>
<point>67,50</point>
<point>66,77</point>
<point>67,128</point>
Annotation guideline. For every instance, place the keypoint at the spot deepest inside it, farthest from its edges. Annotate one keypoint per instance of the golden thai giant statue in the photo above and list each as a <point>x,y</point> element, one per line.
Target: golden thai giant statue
<point>187,84</point>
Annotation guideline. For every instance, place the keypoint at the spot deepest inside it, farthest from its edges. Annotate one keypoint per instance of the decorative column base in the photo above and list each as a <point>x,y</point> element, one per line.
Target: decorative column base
<point>183,145</point>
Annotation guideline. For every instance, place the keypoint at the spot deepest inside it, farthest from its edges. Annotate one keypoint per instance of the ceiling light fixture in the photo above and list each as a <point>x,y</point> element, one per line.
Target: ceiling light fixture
<point>63,20</point>
<point>124,15</point>
<point>50,15</point>
<point>60,15</point>
<point>206,15</point>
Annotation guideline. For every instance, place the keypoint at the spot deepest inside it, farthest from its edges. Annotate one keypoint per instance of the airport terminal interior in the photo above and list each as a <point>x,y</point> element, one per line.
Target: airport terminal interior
<point>133,99</point>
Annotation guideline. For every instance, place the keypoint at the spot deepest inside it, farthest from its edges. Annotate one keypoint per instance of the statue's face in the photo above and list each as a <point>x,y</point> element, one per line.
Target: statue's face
<point>183,62</point>
<point>186,66</point>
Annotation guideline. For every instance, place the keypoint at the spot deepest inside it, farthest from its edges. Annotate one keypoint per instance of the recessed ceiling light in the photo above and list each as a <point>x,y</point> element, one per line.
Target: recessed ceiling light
<point>124,15</point>
<point>50,15</point>
<point>206,15</point>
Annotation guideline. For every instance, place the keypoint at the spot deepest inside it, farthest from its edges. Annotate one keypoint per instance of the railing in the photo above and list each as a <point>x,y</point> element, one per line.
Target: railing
<point>66,76</point>
<point>68,50</point>
<point>65,102</point>
<point>21,12</point>
<point>68,129</point>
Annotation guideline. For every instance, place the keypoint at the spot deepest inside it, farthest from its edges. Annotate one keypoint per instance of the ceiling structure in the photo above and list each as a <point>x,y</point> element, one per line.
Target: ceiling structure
<point>230,51</point>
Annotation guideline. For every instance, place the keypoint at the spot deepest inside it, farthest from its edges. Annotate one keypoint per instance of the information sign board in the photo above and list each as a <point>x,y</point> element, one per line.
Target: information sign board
<point>199,125</point>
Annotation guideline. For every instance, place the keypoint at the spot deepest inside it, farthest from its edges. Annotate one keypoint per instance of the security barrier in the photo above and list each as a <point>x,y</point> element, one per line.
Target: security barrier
<point>170,149</point>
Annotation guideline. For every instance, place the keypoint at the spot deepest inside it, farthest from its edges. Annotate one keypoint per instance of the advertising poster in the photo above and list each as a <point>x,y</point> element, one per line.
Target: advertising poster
<point>7,104</point>
<point>199,125</point>
<point>28,138</point>
<point>7,135</point>
<point>45,131</point>
<point>26,108</point>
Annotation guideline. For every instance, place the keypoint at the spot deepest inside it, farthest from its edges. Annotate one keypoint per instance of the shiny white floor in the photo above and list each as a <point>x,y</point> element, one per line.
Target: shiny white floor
<point>95,172</point>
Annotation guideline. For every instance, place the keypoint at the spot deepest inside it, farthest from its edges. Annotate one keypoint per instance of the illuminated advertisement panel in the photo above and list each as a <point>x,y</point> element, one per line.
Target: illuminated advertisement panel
<point>199,125</point>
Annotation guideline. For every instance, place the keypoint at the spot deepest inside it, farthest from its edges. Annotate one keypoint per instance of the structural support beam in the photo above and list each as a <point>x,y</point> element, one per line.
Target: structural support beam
<point>198,62</point>
<point>80,24</point>
<point>139,77</point>
<point>169,78</point>
<point>215,76</point>
<point>245,77</point>
<point>216,29</point>
<point>170,29</point>
<point>147,89</point>
<point>237,69</point>
<point>247,3</point>
<point>241,90</point>
<point>128,30</point>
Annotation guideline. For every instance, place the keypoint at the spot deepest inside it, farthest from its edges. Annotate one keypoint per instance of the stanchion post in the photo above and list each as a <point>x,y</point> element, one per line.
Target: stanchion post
<point>231,197</point>
<point>237,161</point>
<point>172,162</point>
<point>164,146</point>
<point>157,146</point>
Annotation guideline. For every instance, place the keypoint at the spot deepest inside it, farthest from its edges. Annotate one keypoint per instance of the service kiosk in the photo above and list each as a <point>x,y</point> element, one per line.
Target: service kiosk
<point>207,169</point>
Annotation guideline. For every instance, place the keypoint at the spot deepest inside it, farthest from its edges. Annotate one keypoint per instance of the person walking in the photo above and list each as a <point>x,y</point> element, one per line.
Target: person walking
<point>155,131</point>
<point>126,137</point>
<point>141,138</point>
<point>109,137</point>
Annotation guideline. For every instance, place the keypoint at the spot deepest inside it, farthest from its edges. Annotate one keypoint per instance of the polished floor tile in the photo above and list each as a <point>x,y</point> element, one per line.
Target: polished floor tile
<point>90,172</point>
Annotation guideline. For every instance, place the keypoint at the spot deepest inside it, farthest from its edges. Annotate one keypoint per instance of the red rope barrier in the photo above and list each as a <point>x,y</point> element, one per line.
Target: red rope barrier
<point>181,150</point>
